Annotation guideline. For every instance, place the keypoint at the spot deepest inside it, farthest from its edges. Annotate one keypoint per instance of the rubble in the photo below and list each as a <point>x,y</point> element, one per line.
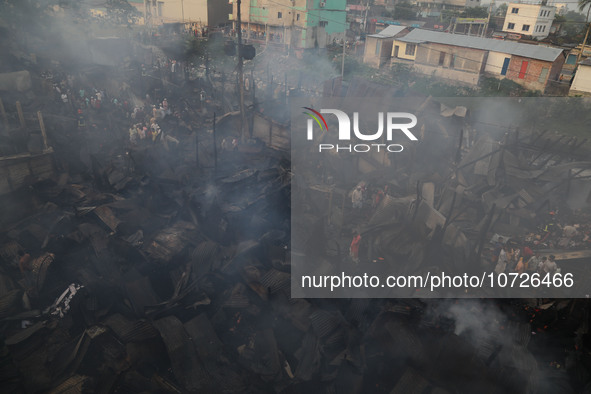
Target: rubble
<point>168,257</point>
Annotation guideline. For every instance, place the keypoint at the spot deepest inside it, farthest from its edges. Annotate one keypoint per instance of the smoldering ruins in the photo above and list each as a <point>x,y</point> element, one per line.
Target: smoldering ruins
<point>146,229</point>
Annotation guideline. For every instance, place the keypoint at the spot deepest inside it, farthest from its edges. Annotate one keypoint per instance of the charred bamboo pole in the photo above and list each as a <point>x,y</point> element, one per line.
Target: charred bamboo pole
<point>448,216</point>
<point>42,127</point>
<point>459,151</point>
<point>240,70</point>
<point>484,231</point>
<point>3,112</point>
<point>21,117</point>
<point>215,145</point>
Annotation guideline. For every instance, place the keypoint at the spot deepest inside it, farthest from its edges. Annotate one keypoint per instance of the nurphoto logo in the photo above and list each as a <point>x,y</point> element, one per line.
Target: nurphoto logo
<point>395,121</point>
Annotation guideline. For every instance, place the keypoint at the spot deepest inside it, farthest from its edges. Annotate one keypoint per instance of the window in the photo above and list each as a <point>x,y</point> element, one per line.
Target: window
<point>542,12</point>
<point>297,17</point>
<point>511,26</point>
<point>410,49</point>
<point>543,28</point>
<point>441,58</point>
<point>543,75</point>
<point>279,15</point>
<point>525,28</point>
<point>452,61</point>
<point>378,46</point>
<point>322,23</point>
<point>514,10</point>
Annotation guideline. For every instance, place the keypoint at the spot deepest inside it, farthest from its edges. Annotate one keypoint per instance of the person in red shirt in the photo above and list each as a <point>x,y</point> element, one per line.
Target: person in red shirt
<point>354,248</point>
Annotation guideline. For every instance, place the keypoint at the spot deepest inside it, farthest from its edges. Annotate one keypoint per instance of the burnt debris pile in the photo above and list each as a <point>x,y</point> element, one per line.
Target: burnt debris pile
<point>145,237</point>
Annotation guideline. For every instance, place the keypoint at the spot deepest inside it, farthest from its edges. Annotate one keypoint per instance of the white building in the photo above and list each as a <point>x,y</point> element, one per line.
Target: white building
<point>582,83</point>
<point>534,20</point>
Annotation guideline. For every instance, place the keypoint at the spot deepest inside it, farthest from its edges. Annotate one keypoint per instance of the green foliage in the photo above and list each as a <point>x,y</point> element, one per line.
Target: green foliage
<point>572,27</point>
<point>504,87</point>
<point>401,72</point>
<point>501,10</point>
<point>475,12</point>
<point>403,10</point>
<point>446,16</point>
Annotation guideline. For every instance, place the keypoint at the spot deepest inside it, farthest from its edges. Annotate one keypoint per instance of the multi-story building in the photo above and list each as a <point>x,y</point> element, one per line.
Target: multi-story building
<point>434,7</point>
<point>295,23</point>
<point>205,13</point>
<point>533,20</point>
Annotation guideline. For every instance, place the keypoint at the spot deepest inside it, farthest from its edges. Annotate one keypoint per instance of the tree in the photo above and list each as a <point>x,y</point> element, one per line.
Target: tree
<point>572,27</point>
<point>475,12</point>
<point>404,10</point>
<point>501,10</point>
<point>582,5</point>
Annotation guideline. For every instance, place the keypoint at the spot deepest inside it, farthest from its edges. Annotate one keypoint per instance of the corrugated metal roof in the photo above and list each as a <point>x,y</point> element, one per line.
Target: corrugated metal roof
<point>487,44</point>
<point>389,32</point>
<point>586,62</point>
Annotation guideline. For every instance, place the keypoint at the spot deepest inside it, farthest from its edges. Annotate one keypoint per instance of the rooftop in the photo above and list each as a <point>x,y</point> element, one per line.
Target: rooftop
<point>389,32</point>
<point>488,44</point>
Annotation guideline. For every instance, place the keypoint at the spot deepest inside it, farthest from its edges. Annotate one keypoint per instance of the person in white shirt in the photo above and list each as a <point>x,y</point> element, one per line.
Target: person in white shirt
<point>502,261</point>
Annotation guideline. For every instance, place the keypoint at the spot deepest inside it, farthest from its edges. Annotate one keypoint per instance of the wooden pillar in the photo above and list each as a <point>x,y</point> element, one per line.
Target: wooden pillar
<point>21,117</point>
<point>215,146</point>
<point>329,206</point>
<point>3,112</point>
<point>42,126</point>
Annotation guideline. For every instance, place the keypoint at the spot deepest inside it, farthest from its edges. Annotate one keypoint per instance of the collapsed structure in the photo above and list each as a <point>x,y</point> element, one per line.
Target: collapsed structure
<point>163,264</point>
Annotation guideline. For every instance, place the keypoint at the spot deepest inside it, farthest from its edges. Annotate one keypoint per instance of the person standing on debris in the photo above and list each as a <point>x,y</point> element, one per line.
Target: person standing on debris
<point>502,260</point>
<point>549,266</point>
<point>357,198</point>
<point>234,144</point>
<point>81,120</point>
<point>533,263</point>
<point>141,132</point>
<point>133,134</point>
<point>520,267</point>
<point>354,248</point>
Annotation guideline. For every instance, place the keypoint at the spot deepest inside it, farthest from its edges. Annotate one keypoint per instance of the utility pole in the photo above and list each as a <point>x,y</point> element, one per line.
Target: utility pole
<point>365,17</point>
<point>490,8</point>
<point>240,71</point>
<point>343,61</point>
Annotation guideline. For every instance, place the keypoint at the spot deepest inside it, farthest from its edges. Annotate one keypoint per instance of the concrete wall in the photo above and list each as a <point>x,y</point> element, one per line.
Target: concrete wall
<point>402,50</point>
<point>582,82</point>
<point>385,50</point>
<point>464,77</point>
<point>494,63</point>
<point>533,79</point>
<point>456,58</point>
<point>529,14</point>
